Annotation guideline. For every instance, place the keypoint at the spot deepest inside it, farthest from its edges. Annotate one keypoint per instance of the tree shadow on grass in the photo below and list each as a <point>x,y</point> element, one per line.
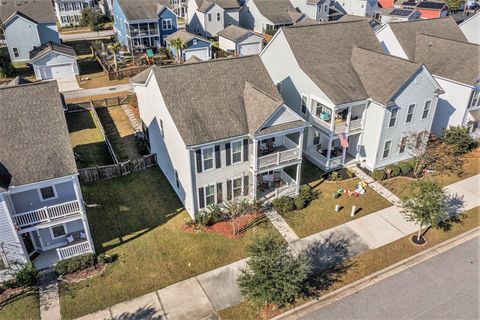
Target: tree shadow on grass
<point>454,205</point>
<point>143,313</point>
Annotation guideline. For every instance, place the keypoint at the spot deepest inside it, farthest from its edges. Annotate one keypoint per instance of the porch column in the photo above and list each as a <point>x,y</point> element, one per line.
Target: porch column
<point>344,152</point>
<point>349,118</point>
<point>255,156</point>
<point>332,121</point>
<point>300,144</point>
<point>329,150</point>
<point>297,178</point>
<point>254,187</point>
<point>86,227</point>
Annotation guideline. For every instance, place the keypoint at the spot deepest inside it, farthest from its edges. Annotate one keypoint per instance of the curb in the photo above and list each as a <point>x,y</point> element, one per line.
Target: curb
<point>309,307</point>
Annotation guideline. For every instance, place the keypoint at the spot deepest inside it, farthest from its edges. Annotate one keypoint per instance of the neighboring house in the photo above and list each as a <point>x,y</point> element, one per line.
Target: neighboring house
<point>471,28</point>
<point>267,16</point>
<point>69,12</point>
<point>27,25</point>
<point>363,8</point>
<point>240,41</point>
<point>106,6</point>
<point>361,103</point>
<point>195,46</point>
<point>386,4</point>
<point>208,17</point>
<point>397,15</point>
<point>432,9</point>
<point>314,9</point>
<point>143,24</point>
<point>53,61</point>
<point>220,131</point>
<point>180,7</point>
<point>42,215</point>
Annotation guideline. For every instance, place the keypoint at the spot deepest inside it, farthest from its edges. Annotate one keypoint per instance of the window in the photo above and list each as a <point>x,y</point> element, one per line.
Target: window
<point>176,179</point>
<point>58,231</point>
<point>167,24</point>
<point>47,193</point>
<point>16,54</point>
<point>304,104</point>
<point>393,117</point>
<point>209,195</point>
<point>316,138</point>
<point>475,99</point>
<point>426,109</point>
<point>218,16</point>
<point>411,109</point>
<point>236,151</point>
<point>195,41</point>
<point>237,188</point>
<point>386,149</point>
<point>207,155</point>
<point>209,17</point>
<point>321,111</point>
<point>402,145</point>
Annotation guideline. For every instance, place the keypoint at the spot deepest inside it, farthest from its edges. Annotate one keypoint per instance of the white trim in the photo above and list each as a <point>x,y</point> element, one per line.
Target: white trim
<point>64,229</point>
<point>389,149</point>
<point>213,158</point>
<point>171,24</point>
<point>301,103</point>
<point>55,194</point>
<point>400,144</point>
<point>41,184</point>
<point>390,117</point>
<point>408,113</point>
<point>241,177</point>
<point>241,151</point>
<point>429,109</point>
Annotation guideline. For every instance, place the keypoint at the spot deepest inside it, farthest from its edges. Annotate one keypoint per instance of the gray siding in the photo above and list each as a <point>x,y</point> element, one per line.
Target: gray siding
<point>48,32</point>
<point>46,236</point>
<point>22,34</point>
<point>280,117</point>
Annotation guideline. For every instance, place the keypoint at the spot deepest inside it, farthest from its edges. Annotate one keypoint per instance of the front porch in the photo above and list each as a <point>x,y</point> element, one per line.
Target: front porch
<point>48,258</point>
<point>340,120</point>
<point>277,150</point>
<point>276,183</point>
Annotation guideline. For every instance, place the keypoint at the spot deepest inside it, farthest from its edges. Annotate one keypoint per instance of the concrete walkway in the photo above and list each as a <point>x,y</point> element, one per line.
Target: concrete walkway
<point>68,83</point>
<point>48,291</point>
<point>384,192</point>
<point>82,93</point>
<point>201,296</point>
<point>132,118</point>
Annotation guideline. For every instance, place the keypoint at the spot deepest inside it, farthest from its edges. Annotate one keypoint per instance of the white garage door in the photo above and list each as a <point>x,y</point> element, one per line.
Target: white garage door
<point>248,48</point>
<point>56,72</point>
<point>200,53</point>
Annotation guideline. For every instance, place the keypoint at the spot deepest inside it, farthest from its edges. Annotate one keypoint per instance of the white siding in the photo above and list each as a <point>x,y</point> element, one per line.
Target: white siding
<point>359,7</point>
<point>232,16</point>
<point>54,59</point>
<point>369,142</point>
<point>471,28</point>
<point>283,115</point>
<point>389,42</point>
<point>226,44</point>
<point>251,18</point>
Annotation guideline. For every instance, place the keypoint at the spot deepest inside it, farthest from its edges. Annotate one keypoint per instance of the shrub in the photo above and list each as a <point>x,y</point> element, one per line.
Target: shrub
<point>10,283</point>
<point>350,174</point>
<point>307,194</point>
<point>103,258</point>
<point>283,204</point>
<point>394,170</point>
<point>2,289</point>
<point>26,276</point>
<point>299,203</point>
<point>336,176</point>
<point>209,216</point>
<point>405,168</point>
<point>459,138</point>
<point>378,175</point>
<point>75,264</point>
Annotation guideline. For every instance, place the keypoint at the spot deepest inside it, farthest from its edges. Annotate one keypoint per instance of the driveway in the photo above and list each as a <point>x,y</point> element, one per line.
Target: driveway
<point>86,35</point>
<point>68,83</point>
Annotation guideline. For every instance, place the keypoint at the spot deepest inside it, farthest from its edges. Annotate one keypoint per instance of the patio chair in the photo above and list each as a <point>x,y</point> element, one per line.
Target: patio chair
<point>262,185</point>
<point>271,145</point>
<point>277,179</point>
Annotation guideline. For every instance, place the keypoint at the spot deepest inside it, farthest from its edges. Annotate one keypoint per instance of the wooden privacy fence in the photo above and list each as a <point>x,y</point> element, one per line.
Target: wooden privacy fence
<point>116,170</point>
<point>96,103</point>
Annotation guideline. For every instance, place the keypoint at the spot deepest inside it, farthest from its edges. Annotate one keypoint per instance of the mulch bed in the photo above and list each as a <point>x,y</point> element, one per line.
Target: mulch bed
<point>226,228</point>
<point>83,274</point>
<point>10,294</point>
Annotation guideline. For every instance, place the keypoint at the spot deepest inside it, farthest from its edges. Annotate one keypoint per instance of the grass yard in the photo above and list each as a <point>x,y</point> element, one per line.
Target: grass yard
<point>24,308</point>
<point>92,75</point>
<point>139,219</point>
<point>370,262</point>
<point>401,185</point>
<point>87,140</point>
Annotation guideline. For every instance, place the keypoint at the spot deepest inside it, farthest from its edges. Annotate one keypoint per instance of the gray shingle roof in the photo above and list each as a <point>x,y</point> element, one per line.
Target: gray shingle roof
<point>217,99</point>
<point>143,9</point>
<point>235,33</point>
<point>382,75</point>
<point>279,11</point>
<point>40,11</point>
<point>451,59</point>
<point>185,36</point>
<point>33,136</point>
<point>225,4</point>
<point>193,59</point>
<point>323,52</point>
<point>49,47</point>
<point>441,27</point>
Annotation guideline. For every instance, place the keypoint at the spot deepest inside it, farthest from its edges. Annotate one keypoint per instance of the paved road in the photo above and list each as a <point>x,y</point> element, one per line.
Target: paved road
<point>97,91</point>
<point>86,35</point>
<point>443,287</point>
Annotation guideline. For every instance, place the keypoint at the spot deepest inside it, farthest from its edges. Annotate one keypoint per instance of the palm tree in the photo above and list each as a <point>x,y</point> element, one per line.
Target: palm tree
<point>178,45</point>
<point>114,48</point>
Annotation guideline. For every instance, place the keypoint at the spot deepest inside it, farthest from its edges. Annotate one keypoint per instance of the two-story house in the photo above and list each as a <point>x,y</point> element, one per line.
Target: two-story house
<point>314,9</point>
<point>69,12</point>
<point>362,104</point>
<point>143,24</point>
<point>220,131</point>
<point>208,17</point>
<point>431,42</point>
<point>27,25</point>
<point>363,8</point>
<point>42,215</point>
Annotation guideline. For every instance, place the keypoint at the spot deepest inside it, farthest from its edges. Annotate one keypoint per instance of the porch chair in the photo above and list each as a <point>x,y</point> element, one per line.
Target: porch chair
<point>271,145</point>
<point>262,185</point>
<point>277,179</point>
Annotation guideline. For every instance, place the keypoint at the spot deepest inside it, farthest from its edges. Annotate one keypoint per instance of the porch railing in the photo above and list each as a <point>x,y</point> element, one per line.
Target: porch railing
<point>355,124</point>
<point>47,214</point>
<point>74,250</point>
<point>278,158</point>
<point>286,190</point>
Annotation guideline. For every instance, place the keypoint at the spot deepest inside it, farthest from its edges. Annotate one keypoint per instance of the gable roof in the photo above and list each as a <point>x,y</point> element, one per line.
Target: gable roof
<point>15,82</point>
<point>205,5</point>
<point>38,11</point>
<point>49,47</point>
<point>217,99</point>
<point>323,52</point>
<point>279,11</point>
<point>235,33</point>
<point>185,36</point>
<point>143,9</point>
<point>33,136</point>
<point>382,75</point>
<point>451,59</point>
<point>441,27</point>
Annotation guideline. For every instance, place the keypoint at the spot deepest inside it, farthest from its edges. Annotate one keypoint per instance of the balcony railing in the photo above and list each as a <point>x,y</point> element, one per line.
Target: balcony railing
<point>355,125</point>
<point>47,214</point>
<point>144,33</point>
<point>278,158</point>
<point>74,250</point>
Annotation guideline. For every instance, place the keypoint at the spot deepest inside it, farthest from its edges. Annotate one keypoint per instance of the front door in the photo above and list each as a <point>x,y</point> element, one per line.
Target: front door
<point>27,241</point>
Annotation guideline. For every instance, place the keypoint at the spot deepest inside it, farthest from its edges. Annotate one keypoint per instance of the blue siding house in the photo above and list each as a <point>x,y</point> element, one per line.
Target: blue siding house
<point>143,24</point>
<point>28,24</point>
<point>196,46</point>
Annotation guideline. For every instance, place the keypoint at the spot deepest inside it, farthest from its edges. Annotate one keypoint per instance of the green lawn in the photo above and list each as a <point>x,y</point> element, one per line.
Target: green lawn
<point>138,218</point>
<point>24,308</point>
<point>87,139</point>
<point>370,262</point>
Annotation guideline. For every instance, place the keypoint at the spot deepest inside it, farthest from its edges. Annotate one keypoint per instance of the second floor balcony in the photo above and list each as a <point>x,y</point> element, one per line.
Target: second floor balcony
<point>278,151</point>
<point>143,29</point>
<point>342,120</point>
<point>47,214</point>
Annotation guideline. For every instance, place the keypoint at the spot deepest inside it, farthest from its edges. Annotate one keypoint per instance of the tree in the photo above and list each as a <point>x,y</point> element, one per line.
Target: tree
<point>454,5</point>
<point>6,67</point>
<point>274,275</point>
<point>427,206</point>
<point>459,138</point>
<point>115,48</point>
<point>178,45</point>
<point>91,18</point>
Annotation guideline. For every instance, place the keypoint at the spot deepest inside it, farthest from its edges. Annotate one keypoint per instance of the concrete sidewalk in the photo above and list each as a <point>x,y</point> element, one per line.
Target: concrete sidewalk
<point>201,296</point>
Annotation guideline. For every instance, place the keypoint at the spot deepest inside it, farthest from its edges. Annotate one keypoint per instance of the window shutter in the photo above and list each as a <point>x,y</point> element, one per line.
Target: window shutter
<point>201,198</point>
<point>198,154</point>
<point>228,154</point>
<point>245,149</point>
<point>245,186</point>
<point>219,193</point>
<point>218,157</point>
<point>229,189</point>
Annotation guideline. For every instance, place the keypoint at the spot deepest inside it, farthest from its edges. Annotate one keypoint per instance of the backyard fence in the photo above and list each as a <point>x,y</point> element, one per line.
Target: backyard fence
<point>116,170</point>
<point>97,103</point>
